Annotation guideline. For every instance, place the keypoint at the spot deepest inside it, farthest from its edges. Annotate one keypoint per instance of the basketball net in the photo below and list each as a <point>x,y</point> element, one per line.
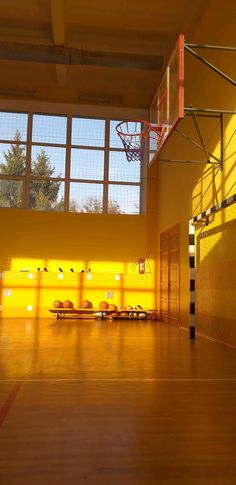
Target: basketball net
<point>134,135</point>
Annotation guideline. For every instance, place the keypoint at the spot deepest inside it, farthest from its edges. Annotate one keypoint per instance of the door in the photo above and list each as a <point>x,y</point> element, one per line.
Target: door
<point>169,275</point>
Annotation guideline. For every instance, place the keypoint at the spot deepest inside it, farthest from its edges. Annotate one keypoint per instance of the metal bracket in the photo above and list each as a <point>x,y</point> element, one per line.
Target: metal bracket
<point>209,64</point>
<point>206,112</point>
<point>194,113</point>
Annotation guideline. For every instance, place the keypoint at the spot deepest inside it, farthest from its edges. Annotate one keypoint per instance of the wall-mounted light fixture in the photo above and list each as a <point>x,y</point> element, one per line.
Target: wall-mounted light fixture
<point>71,269</point>
<point>89,275</point>
<point>44,269</point>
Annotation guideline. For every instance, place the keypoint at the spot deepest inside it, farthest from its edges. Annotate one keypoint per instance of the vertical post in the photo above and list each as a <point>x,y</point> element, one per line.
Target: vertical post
<point>106,165</point>
<point>221,141</point>
<point>28,161</point>
<point>67,166</point>
<point>192,281</point>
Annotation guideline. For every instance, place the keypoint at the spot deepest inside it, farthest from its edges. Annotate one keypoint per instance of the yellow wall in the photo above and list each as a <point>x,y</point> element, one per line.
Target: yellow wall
<point>186,190</point>
<point>216,277</point>
<point>108,244</point>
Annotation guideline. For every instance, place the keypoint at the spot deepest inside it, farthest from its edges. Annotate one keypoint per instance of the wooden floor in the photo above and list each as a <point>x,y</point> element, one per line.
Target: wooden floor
<point>114,403</point>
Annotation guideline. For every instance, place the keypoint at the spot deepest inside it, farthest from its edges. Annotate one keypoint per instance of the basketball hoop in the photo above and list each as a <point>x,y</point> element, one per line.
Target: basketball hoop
<point>134,135</point>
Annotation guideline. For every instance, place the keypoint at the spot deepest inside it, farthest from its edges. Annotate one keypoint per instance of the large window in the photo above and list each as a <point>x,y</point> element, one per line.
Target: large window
<point>58,162</point>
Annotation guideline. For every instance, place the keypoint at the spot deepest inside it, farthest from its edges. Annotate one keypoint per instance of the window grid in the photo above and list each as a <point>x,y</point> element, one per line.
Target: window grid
<point>66,179</point>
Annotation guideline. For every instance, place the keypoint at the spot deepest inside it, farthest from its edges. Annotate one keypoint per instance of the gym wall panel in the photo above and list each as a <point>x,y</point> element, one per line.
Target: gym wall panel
<point>185,190</point>
<point>216,277</point>
<point>107,244</point>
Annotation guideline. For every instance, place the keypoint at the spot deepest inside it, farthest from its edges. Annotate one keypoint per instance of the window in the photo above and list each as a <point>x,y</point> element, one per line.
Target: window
<point>56,163</point>
<point>87,164</point>
<point>122,196</point>
<point>88,132</point>
<point>13,134</point>
<point>49,129</point>
<point>48,162</point>
<point>85,197</point>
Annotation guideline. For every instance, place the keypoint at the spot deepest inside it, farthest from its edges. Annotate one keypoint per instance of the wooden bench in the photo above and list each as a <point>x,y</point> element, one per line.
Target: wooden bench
<point>98,312</point>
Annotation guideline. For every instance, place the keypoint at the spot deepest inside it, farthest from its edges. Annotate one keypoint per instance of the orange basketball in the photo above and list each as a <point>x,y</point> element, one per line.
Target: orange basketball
<point>114,314</point>
<point>128,307</point>
<point>68,304</point>
<point>103,305</point>
<point>86,304</point>
<point>124,314</point>
<point>58,304</point>
<point>112,307</point>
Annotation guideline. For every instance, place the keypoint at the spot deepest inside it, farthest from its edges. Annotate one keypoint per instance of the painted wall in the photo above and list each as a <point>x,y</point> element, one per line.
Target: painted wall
<point>108,244</point>
<point>216,277</point>
<point>186,190</point>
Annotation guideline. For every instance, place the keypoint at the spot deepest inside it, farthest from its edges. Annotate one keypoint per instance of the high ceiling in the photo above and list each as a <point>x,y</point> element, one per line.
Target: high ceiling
<point>118,48</point>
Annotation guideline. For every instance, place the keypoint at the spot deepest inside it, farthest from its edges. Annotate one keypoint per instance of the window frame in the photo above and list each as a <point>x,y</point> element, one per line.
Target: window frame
<point>67,179</point>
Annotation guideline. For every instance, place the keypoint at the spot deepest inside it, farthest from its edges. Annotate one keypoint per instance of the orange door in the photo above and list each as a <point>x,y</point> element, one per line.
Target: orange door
<point>169,275</point>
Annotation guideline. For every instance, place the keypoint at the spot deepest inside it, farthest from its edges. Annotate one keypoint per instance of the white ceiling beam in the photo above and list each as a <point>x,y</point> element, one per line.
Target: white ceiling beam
<point>59,36</point>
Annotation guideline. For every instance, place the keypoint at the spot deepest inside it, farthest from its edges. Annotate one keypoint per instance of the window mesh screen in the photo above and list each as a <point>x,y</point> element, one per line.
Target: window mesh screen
<point>87,164</point>
<point>11,193</point>
<point>88,161</point>
<point>123,199</point>
<point>85,197</point>
<point>13,126</point>
<point>48,161</point>
<point>49,129</point>
<point>46,195</point>
<point>12,159</point>
<point>88,132</point>
<point>120,170</point>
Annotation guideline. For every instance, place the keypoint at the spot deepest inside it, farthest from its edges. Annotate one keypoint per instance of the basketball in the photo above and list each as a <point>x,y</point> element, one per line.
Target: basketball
<point>68,304</point>
<point>58,304</point>
<point>86,304</point>
<point>103,305</point>
<point>114,314</point>
<point>124,314</point>
<point>128,307</point>
<point>112,307</point>
<point>142,315</point>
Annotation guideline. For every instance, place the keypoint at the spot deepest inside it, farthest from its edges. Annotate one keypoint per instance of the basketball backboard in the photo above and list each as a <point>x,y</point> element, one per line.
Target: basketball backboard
<point>167,107</point>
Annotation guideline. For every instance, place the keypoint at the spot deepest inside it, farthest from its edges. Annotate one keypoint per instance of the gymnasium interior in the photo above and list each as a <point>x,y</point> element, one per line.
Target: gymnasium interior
<point>117,274</point>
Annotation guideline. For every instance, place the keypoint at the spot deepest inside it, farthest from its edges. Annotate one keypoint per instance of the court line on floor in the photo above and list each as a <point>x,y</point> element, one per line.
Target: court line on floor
<point>75,379</point>
<point>4,410</point>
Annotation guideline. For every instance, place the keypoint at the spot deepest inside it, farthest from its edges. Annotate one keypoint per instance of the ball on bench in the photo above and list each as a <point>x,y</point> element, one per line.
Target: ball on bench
<point>58,304</point>
<point>68,304</point>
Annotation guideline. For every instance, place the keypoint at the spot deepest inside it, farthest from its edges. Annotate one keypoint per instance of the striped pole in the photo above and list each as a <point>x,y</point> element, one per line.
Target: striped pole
<point>192,281</point>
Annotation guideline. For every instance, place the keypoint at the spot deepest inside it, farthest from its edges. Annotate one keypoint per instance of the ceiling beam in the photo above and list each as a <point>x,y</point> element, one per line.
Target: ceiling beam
<point>59,36</point>
<point>72,57</point>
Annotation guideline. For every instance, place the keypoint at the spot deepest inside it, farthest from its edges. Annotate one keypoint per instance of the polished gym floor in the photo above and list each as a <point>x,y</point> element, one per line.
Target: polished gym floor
<point>114,403</point>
